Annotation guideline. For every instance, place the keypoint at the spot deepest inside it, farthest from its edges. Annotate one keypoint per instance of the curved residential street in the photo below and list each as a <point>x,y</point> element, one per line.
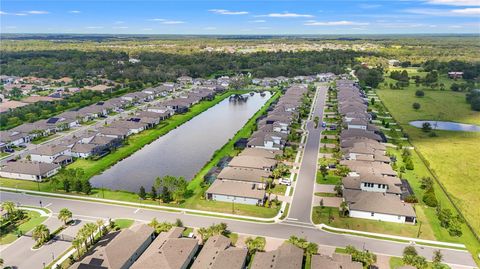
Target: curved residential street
<point>88,211</point>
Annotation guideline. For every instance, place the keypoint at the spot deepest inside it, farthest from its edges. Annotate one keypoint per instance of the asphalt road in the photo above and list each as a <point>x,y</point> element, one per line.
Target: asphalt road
<point>91,210</point>
<point>300,207</point>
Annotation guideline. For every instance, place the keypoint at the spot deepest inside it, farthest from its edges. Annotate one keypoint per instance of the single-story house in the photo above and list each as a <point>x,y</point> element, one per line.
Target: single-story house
<point>48,153</point>
<point>28,170</point>
<point>168,250</point>
<point>336,261</point>
<point>378,206</point>
<point>285,256</point>
<point>237,192</point>
<point>121,252</point>
<point>253,163</point>
<point>217,252</point>
<point>245,175</point>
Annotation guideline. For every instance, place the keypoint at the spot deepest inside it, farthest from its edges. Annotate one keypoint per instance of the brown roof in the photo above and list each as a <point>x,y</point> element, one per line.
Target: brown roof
<point>29,168</point>
<point>235,188</point>
<point>287,256</point>
<point>252,162</point>
<point>259,152</point>
<point>48,150</point>
<point>337,261</point>
<point>377,202</point>
<point>34,99</point>
<point>216,253</point>
<point>244,174</point>
<point>168,251</point>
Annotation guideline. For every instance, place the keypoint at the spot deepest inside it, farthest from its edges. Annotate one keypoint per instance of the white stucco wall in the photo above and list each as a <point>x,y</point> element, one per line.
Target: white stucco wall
<point>230,199</point>
<point>17,176</point>
<point>377,216</point>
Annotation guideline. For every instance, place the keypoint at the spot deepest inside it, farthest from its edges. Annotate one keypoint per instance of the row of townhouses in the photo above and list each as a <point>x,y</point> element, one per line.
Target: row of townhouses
<point>372,189</point>
<point>137,247</point>
<point>244,179</point>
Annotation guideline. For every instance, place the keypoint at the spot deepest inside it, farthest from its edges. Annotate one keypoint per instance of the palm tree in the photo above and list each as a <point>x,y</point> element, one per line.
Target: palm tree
<point>9,206</point>
<point>254,245</point>
<point>344,208</point>
<point>41,234</point>
<point>91,228</point>
<point>77,244</point>
<point>54,182</point>
<point>64,215</point>
<point>101,226</point>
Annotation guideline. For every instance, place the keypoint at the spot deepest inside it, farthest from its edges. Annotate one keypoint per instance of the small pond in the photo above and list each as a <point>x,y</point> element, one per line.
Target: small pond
<point>447,125</point>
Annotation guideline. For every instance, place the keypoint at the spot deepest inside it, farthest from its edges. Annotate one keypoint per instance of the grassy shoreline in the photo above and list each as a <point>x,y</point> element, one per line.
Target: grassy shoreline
<point>195,201</point>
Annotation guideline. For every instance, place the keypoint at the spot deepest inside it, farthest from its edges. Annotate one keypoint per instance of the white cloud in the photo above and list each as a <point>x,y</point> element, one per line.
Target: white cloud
<point>19,14</point>
<point>286,15</point>
<point>264,28</point>
<point>172,22</point>
<point>465,12</point>
<point>120,27</point>
<point>3,13</point>
<point>334,23</point>
<point>75,11</point>
<point>94,27</point>
<point>37,12</point>
<point>455,2</point>
<point>228,12</point>
<point>156,19</point>
<point>119,22</point>
<point>258,21</point>
<point>11,27</point>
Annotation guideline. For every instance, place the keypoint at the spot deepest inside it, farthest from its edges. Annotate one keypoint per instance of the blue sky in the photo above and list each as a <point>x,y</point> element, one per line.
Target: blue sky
<point>240,17</point>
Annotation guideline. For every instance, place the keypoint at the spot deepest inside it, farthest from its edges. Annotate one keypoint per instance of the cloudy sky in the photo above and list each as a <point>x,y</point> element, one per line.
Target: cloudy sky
<point>240,17</point>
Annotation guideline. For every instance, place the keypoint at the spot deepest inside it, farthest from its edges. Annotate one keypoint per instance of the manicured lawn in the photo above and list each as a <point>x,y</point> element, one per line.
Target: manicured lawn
<point>233,238</point>
<point>329,141</point>
<point>285,212</point>
<point>396,262</point>
<point>34,220</point>
<point>187,231</point>
<point>279,189</point>
<point>320,215</point>
<point>238,209</point>
<point>124,223</point>
<point>325,194</point>
<point>329,179</point>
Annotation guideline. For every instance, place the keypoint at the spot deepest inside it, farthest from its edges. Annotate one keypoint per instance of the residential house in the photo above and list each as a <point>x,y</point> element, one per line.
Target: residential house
<point>51,154</point>
<point>287,256</point>
<point>217,253</point>
<point>28,170</point>
<point>121,252</point>
<point>336,261</point>
<point>169,250</point>
<point>237,192</point>
<point>253,163</point>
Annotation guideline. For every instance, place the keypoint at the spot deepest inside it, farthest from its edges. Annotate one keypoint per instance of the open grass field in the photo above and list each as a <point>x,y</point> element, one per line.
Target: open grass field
<point>124,223</point>
<point>453,156</point>
<point>34,220</point>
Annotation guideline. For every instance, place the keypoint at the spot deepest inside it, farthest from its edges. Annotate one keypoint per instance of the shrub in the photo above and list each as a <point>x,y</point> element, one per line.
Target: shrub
<point>409,164</point>
<point>426,127</point>
<point>416,106</point>
<point>411,199</point>
<point>429,198</point>
<point>419,93</point>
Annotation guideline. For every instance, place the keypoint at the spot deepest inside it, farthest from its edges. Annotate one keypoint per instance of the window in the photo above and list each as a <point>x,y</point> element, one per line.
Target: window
<point>372,214</point>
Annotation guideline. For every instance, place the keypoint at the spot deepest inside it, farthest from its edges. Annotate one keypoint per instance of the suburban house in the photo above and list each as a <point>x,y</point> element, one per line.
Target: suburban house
<point>267,140</point>
<point>28,170</point>
<point>51,154</point>
<point>378,206</point>
<point>13,138</point>
<point>253,163</point>
<point>120,133</point>
<point>236,192</point>
<point>336,261</point>
<point>133,126</point>
<point>257,176</point>
<point>121,252</point>
<point>259,152</point>
<point>286,256</point>
<point>168,250</point>
<point>217,253</point>
<point>372,189</point>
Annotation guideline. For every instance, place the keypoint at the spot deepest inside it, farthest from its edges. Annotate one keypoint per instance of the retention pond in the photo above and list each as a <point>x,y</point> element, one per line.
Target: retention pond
<point>447,125</point>
<point>183,151</point>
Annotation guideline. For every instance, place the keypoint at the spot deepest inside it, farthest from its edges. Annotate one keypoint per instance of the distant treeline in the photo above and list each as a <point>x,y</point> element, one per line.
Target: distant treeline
<point>156,67</point>
<point>470,70</point>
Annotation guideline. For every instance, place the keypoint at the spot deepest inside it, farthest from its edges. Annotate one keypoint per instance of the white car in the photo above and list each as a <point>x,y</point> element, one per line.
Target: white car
<point>284,181</point>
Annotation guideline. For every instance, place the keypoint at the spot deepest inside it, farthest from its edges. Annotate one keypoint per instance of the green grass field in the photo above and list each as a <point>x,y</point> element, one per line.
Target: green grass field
<point>34,220</point>
<point>453,156</point>
<point>124,223</point>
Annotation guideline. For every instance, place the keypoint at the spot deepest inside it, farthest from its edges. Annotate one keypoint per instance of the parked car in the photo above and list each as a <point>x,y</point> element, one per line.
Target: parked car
<point>324,124</point>
<point>9,150</point>
<point>284,181</point>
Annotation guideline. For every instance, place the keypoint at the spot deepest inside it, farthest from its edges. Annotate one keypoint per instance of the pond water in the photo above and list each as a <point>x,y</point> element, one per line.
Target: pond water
<point>184,150</point>
<point>447,125</point>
